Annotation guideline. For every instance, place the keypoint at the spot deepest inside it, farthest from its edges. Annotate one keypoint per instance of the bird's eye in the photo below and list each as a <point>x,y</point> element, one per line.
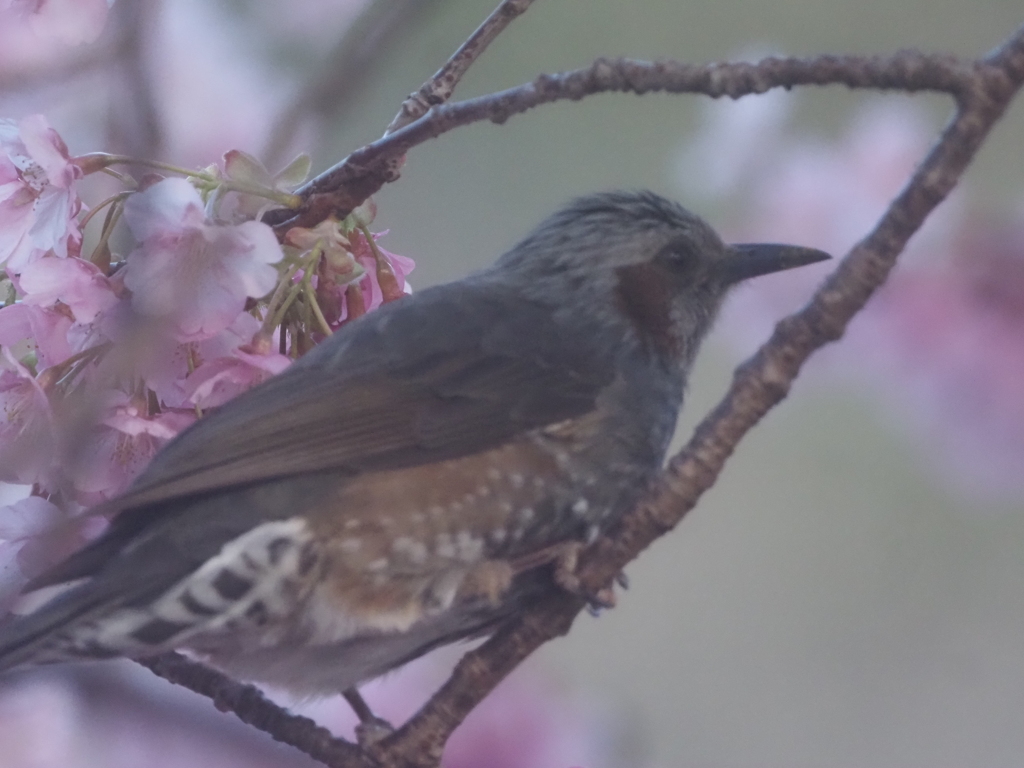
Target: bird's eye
<point>679,257</point>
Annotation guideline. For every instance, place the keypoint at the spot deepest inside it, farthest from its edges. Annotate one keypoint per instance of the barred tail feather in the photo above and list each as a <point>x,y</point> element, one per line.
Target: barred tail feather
<point>39,637</point>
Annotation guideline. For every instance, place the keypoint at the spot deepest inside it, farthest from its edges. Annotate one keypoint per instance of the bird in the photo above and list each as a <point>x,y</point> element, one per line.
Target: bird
<point>416,478</point>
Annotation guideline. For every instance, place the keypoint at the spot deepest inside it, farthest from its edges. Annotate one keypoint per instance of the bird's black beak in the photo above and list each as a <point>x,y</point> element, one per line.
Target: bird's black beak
<point>752,259</point>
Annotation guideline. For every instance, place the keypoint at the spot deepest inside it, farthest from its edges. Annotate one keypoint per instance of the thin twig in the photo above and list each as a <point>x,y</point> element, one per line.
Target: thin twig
<point>343,187</point>
<point>439,88</point>
<point>252,707</point>
<point>369,39</point>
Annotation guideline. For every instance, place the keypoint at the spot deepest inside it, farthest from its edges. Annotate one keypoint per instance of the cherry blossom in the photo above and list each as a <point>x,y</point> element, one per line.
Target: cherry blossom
<point>69,22</point>
<point>38,200</point>
<point>528,721</point>
<point>940,344</point>
<point>170,372</point>
<point>189,274</point>
<point>19,522</point>
<point>76,283</point>
<point>373,294</point>
<point>216,382</point>
<point>123,444</point>
<point>34,535</point>
<point>42,331</point>
<point>352,263</point>
<point>28,443</point>
<point>34,33</point>
<point>949,338</point>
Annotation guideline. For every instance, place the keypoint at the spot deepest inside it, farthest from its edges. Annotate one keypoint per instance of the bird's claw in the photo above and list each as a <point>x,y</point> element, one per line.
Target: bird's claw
<point>566,563</point>
<point>372,731</point>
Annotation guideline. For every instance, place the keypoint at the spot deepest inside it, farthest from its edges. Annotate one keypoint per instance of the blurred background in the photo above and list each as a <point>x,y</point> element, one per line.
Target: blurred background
<point>851,592</point>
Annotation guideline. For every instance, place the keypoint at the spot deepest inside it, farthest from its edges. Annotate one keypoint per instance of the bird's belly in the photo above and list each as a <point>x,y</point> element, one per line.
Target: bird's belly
<point>305,670</point>
<point>329,648</point>
<point>414,558</point>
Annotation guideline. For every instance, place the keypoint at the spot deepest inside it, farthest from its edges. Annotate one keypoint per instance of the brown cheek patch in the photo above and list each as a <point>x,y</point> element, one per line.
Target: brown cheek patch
<point>644,294</point>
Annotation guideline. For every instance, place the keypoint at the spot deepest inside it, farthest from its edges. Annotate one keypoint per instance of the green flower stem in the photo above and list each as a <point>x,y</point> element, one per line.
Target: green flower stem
<point>317,312</point>
<point>124,178</point>
<point>386,278</point>
<point>275,300</point>
<point>63,373</point>
<point>372,243</point>
<point>312,306</point>
<point>284,198</point>
<point>308,264</point>
<point>100,206</point>
<point>100,161</point>
<point>190,361</point>
<point>101,253</point>
<point>290,297</point>
<point>97,161</point>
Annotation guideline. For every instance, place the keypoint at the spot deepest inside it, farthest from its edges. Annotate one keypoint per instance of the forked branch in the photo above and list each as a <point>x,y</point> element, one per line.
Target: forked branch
<point>982,90</point>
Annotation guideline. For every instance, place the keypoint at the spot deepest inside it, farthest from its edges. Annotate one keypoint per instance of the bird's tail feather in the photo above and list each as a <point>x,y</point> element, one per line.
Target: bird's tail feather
<point>35,638</point>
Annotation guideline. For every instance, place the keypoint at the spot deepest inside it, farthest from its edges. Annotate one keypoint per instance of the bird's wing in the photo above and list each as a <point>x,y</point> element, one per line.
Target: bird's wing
<point>445,373</point>
<point>440,375</point>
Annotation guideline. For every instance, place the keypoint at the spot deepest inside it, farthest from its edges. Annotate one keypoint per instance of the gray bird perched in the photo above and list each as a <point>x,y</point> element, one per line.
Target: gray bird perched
<point>410,481</point>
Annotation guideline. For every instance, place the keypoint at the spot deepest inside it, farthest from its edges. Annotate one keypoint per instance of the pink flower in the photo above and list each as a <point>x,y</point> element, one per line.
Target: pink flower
<point>829,196</point>
<point>188,273</point>
<point>526,722</point>
<point>941,343</point>
<point>946,344</point>
<point>167,372</point>
<point>33,34</point>
<point>68,22</point>
<point>369,285</point>
<point>401,265</point>
<point>26,328</point>
<point>77,283</point>
<point>38,202</point>
<point>220,380</point>
<point>124,443</point>
<point>34,535</point>
<point>18,522</point>
<point>28,443</point>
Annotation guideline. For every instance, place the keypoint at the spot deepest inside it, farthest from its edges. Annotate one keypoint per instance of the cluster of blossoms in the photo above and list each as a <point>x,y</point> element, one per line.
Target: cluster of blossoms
<point>942,340</point>
<point>104,357</point>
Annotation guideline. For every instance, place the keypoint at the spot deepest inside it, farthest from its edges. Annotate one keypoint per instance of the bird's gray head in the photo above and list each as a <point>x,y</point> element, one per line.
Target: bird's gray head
<point>639,256</point>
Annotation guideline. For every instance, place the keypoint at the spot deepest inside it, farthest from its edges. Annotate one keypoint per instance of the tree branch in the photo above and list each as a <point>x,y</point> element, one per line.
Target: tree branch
<point>982,89</point>
<point>343,187</point>
<point>439,88</point>
<point>253,708</point>
<point>370,38</point>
